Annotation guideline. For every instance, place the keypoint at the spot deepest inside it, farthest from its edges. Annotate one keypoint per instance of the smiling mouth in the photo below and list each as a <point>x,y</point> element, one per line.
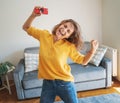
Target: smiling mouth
<point>60,31</point>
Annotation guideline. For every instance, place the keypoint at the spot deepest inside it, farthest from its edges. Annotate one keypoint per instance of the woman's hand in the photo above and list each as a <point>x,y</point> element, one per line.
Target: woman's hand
<point>34,14</point>
<point>28,22</point>
<point>94,46</point>
<point>89,55</point>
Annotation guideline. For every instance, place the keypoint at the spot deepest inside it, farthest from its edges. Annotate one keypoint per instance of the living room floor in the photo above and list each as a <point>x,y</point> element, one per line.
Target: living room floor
<point>6,98</point>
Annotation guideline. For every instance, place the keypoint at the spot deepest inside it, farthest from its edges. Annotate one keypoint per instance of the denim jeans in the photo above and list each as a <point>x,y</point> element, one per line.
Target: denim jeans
<point>52,88</point>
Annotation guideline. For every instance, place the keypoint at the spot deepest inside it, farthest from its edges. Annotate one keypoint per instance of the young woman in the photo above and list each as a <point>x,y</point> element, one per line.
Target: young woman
<point>64,41</point>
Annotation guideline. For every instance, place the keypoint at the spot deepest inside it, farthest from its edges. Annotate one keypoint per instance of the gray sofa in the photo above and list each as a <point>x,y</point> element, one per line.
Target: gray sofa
<point>86,77</point>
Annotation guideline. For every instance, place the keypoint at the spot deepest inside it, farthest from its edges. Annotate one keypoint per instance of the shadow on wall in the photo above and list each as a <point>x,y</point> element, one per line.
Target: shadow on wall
<point>14,57</point>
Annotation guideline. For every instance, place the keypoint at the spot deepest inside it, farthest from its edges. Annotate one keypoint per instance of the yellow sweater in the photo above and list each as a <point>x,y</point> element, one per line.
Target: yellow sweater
<point>53,56</point>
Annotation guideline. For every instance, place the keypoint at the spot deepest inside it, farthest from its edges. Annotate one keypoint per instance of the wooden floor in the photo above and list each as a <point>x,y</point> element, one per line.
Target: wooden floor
<point>6,98</point>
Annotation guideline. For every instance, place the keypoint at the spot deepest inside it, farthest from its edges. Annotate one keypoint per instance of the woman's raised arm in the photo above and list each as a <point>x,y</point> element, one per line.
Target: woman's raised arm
<point>29,20</point>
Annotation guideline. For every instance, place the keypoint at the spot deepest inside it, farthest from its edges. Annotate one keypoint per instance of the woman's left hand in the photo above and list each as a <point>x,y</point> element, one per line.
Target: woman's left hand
<point>94,45</point>
<point>88,56</point>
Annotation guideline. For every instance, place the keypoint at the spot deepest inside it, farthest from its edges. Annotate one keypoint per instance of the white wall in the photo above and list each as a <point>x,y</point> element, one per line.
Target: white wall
<point>13,14</point>
<point>111,26</point>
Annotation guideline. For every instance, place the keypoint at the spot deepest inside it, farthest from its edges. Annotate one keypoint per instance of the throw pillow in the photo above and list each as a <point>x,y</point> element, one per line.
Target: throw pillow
<point>31,62</point>
<point>98,56</point>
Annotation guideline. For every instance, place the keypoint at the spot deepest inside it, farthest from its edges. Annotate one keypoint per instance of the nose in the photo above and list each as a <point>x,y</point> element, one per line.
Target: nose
<point>63,31</point>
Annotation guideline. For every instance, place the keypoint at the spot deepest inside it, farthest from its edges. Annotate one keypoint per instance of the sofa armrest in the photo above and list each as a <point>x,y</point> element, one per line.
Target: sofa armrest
<point>107,64</point>
<point>18,76</point>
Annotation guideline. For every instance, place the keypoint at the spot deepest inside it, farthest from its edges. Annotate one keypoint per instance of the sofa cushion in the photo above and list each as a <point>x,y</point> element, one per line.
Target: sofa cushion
<point>30,80</point>
<point>31,58</point>
<point>80,73</point>
<point>87,73</point>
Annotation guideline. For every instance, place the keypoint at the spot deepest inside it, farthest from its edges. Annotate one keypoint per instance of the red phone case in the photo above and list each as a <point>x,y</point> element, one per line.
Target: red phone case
<point>43,10</point>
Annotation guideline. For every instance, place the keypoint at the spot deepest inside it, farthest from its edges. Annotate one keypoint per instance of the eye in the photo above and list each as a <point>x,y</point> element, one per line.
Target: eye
<point>65,26</point>
<point>68,31</point>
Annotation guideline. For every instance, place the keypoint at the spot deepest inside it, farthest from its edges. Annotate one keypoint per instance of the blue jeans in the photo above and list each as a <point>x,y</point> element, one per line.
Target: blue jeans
<point>52,88</point>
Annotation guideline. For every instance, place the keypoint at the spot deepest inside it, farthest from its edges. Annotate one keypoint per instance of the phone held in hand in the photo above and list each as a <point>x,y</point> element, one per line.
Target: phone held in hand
<point>41,10</point>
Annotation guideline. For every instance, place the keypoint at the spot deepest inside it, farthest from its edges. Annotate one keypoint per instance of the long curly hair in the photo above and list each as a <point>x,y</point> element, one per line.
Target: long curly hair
<point>75,37</point>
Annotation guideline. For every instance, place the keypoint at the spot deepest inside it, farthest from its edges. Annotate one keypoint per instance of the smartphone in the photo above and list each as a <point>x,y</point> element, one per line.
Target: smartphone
<point>44,11</point>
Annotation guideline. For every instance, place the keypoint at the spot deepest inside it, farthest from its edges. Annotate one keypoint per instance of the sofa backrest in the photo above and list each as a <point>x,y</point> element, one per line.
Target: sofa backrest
<point>33,50</point>
<point>32,56</point>
<point>31,53</point>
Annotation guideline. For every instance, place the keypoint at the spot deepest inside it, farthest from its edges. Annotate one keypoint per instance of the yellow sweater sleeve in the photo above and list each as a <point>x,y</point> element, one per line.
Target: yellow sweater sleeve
<point>76,56</point>
<point>36,33</point>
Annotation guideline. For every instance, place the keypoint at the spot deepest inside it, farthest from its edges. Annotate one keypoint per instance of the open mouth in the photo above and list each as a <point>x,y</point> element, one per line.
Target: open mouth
<point>60,31</point>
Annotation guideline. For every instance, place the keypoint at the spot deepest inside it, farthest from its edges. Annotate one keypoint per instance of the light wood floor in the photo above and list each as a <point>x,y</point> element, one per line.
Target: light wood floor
<point>6,98</point>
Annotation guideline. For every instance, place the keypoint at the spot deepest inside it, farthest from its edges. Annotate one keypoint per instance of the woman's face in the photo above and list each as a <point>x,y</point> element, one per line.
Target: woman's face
<point>64,30</point>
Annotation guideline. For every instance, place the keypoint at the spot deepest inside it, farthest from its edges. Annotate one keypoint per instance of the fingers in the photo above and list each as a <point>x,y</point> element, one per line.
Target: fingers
<point>94,44</point>
<point>36,11</point>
